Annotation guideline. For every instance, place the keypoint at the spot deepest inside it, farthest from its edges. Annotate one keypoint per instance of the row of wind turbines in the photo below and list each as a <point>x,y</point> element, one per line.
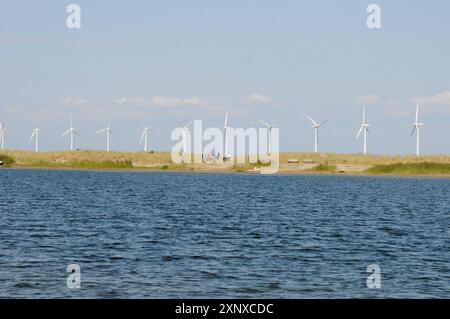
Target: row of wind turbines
<point>71,132</point>
<point>364,129</point>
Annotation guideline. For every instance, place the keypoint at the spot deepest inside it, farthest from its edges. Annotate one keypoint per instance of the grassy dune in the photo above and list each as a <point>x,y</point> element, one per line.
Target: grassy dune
<point>329,163</point>
<point>90,159</point>
<point>411,169</point>
<point>6,159</point>
<point>358,159</point>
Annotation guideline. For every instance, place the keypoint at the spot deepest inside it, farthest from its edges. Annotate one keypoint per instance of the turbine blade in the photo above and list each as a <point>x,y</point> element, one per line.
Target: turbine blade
<point>364,114</point>
<point>65,133</point>
<point>265,123</point>
<point>142,137</point>
<point>276,123</point>
<point>414,129</point>
<point>311,120</point>
<point>32,135</point>
<point>359,132</point>
<point>324,122</point>
<point>417,113</point>
<point>186,126</point>
<point>226,120</point>
<point>101,131</point>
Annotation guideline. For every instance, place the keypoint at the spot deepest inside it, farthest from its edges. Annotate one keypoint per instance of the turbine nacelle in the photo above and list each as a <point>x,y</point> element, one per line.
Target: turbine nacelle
<point>416,129</point>
<point>269,137</point>
<point>35,135</point>
<point>2,135</point>
<point>108,134</point>
<point>316,127</point>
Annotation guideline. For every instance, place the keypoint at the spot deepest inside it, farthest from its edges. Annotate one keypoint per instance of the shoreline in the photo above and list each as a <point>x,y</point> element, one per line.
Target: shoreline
<point>290,163</point>
<point>216,171</point>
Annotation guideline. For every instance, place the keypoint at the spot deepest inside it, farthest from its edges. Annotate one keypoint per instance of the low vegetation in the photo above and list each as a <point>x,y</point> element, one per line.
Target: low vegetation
<point>320,163</point>
<point>6,159</point>
<point>359,159</point>
<point>92,159</point>
<point>324,168</point>
<point>424,168</point>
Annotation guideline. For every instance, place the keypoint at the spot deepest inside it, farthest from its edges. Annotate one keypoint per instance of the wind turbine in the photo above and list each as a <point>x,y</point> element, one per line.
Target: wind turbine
<point>108,135</point>
<point>225,128</point>
<point>144,137</point>
<point>72,132</point>
<point>35,135</point>
<point>185,133</point>
<point>365,128</point>
<point>417,126</point>
<point>2,135</point>
<point>269,128</point>
<point>316,127</point>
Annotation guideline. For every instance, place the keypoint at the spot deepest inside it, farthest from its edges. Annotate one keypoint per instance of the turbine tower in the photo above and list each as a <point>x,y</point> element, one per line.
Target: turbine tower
<point>225,128</point>
<point>144,137</point>
<point>35,135</point>
<point>108,135</point>
<point>185,133</point>
<point>365,128</point>
<point>316,127</point>
<point>72,132</point>
<point>417,126</point>
<point>2,135</point>
<point>269,138</point>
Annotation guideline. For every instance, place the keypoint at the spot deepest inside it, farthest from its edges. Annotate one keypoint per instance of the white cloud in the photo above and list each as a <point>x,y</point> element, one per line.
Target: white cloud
<point>435,103</point>
<point>258,98</point>
<point>73,102</point>
<point>162,101</point>
<point>137,107</point>
<point>369,99</point>
<point>121,100</point>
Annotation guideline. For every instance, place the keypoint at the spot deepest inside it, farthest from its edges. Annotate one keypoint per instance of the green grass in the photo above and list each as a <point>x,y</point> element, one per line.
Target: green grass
<point>6,159</point>
<point>324,168</point>
<point>424,168</point>
<point>358,159</point>
<point>91,158</point>
<point>326,163</point>
<point>261,164</point>
<point>82,164</point>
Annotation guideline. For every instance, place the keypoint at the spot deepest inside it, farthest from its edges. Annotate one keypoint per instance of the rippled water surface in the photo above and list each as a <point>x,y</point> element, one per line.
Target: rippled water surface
<point>157,235</point>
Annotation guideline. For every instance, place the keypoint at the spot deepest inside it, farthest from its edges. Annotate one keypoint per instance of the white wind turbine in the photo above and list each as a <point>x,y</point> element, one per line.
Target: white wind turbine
<point>269,138</point>
<point>225,128</point>
<point>35,135</point>
<point>185,135</point>
<point>417,126</point>
<point>108,135</point>
<point>144,137</point>
<point>72,132</point>
<point>365,128</point>
<point>316,127</point>
<point>2,135</point>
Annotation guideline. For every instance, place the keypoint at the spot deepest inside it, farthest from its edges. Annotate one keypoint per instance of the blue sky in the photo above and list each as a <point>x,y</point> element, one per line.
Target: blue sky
<point>168,62</point>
